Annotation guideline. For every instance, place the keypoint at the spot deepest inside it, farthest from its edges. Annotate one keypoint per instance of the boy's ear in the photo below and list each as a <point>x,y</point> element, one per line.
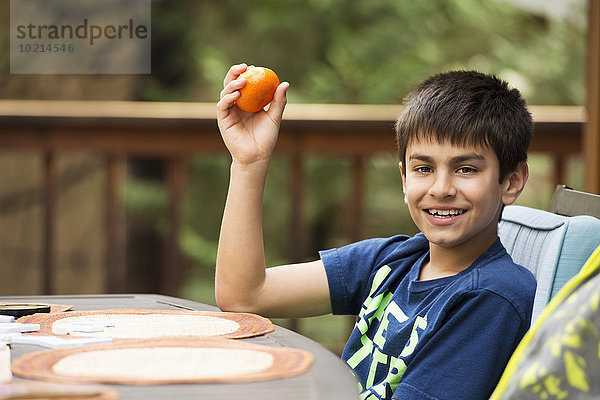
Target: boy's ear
<point>403,182</point>
<point>514,183</point>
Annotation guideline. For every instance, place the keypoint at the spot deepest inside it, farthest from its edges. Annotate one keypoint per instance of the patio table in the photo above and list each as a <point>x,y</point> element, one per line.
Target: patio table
<point>327,378</point>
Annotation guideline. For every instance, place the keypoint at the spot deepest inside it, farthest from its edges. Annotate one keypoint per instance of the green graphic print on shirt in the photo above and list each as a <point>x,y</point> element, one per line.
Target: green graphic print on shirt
<point>378,311</point>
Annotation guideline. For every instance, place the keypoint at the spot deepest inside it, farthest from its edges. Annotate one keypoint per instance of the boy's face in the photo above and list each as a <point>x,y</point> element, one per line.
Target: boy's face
<point>453,193</point>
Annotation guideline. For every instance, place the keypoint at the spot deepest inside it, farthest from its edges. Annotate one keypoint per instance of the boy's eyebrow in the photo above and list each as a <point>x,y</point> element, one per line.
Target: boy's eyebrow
<point>420,157</point>
<point>466,157</point>
<point>454,160</point>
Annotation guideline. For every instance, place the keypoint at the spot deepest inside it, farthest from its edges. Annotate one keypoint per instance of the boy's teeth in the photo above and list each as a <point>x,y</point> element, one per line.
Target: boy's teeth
<point>445,213</point>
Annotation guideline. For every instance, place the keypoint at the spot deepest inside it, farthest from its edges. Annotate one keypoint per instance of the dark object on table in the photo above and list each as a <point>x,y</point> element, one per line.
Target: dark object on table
<point>20,310</point>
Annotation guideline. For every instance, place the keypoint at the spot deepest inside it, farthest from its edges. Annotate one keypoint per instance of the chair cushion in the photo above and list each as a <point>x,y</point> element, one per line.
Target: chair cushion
<point>582,236</point>
<point>551,246</point>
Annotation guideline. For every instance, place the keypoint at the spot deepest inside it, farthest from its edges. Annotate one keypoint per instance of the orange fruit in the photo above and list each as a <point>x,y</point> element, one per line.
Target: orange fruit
<point>259,90</point>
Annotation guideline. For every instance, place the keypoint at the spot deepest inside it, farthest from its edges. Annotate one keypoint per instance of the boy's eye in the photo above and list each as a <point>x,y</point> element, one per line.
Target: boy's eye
<point>466,170</point>
<point>423,170</point>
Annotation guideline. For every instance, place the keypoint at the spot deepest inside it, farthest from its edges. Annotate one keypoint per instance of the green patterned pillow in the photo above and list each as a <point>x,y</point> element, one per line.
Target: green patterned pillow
<point>559,358</point>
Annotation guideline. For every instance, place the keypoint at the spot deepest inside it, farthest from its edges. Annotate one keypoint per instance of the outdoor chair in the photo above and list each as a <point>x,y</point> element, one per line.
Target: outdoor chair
<point>553,247</point>
<point>569,202</point>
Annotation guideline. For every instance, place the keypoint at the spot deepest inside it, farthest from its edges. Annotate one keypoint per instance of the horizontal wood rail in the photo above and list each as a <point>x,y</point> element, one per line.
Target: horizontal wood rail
<point>183,128</point>
<point>176,131</point>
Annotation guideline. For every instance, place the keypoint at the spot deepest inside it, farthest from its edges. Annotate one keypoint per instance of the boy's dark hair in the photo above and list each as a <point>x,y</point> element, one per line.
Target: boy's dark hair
<point>468,108</point>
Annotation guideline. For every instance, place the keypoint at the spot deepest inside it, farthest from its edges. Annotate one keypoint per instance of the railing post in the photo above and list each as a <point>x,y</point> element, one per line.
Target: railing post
<point>172,267</point>
<point>116,265</point>
<point>591,137</point>
<point>559,169</point>
<point>50,176</point>
<point>357,203</point>
<point>297,180</point>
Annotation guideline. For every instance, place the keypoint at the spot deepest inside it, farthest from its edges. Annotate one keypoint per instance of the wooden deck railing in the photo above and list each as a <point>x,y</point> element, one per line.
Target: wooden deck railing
<point>177,131</point>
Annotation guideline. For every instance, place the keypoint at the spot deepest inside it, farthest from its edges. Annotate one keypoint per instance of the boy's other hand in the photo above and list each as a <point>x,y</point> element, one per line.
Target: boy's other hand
<point>250,137</point>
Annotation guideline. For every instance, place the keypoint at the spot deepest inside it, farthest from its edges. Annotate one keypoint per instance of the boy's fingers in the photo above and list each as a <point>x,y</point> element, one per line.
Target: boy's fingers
<point>226,102</point>
<point>234,72</point>
<point>232,86</point>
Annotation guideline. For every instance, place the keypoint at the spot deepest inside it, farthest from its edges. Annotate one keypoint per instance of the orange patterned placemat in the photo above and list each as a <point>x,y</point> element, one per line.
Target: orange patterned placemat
<point>137,323</point>
<point>56,391</point>
<point>57,308</point>
<point>164,361</point>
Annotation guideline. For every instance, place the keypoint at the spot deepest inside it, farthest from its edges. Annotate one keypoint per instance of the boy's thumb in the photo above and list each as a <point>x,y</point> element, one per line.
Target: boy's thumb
<point>279,100</point>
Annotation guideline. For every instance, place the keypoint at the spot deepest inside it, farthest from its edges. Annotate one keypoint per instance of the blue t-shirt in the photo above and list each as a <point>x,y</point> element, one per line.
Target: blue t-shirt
<point>447,338</point>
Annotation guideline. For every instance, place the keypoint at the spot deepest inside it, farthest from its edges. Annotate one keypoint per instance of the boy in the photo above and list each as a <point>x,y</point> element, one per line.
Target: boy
<point>440,313</point>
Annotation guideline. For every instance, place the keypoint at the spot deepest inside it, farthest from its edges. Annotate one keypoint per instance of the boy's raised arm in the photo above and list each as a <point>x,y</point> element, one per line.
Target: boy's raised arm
<point>242,282</point>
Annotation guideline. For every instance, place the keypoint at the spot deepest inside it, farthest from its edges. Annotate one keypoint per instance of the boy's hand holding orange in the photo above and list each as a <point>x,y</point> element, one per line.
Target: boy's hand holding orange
<point>249,135</point>
<point>259,90</point>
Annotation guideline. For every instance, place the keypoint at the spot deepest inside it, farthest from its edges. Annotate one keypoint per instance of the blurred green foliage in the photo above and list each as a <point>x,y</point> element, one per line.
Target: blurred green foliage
<point>339,51</point>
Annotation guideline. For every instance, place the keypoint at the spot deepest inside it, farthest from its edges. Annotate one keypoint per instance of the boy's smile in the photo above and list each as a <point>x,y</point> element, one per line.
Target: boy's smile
<point>454,197</point>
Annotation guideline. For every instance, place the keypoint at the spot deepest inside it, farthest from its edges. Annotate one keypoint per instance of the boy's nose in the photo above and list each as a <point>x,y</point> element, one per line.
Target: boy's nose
<point>442,186</point>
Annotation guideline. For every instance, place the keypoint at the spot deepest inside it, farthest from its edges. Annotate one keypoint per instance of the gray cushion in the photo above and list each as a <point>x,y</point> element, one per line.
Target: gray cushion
<point>551,246</point>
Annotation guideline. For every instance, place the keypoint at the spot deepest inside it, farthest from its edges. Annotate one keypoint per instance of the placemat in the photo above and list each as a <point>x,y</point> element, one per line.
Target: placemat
<point>137,323</point>
<point>57,308</point>
<point>164,361</point>
<point>55,391</point>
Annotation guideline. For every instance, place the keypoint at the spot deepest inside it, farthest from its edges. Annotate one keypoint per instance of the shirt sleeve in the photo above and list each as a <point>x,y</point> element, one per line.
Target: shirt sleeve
<point>350,270</point>
<point>467,353</point>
